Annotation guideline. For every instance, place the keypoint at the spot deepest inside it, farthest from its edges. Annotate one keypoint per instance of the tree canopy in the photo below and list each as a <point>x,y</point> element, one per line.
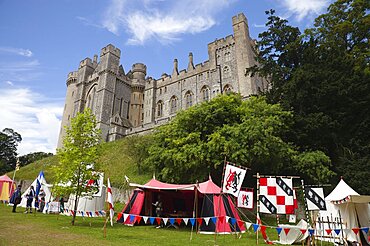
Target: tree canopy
<point>249,133</point>
<point>78,158</point>
<point>323,76</point>
<point>9,140</point>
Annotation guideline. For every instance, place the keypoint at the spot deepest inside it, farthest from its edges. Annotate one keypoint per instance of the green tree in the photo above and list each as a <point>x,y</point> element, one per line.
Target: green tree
<point>139,145</point>
<point>323,76</point>
<point>250,133</point>
<point>9,140</point>
<point>77,159</point>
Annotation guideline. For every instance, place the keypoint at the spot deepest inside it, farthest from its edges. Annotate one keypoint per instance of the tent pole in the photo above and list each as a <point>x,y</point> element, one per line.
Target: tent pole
<point>341,225</point>
<point>220,197</point>
<point>192,227</point>
<point>306,210</point>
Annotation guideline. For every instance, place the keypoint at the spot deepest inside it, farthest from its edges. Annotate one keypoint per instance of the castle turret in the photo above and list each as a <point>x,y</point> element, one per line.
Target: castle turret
<point>244,55</point>
<point>191,63</point>
<point>136,115</point>
<point>175,71</point>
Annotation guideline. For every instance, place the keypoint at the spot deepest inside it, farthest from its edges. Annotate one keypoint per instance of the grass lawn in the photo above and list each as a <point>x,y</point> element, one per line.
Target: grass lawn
<point>47,229</point>
<point>41,229</point>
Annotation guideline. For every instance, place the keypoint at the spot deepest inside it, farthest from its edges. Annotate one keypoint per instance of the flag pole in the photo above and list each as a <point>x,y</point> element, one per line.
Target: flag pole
<point>219,201</point>
<point>306,208</point>
<point>258,198</point>
<point>15,170</point>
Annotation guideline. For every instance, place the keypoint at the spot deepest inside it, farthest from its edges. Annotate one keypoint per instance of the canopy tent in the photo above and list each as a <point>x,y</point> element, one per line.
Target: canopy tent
<point>38,184</point>
<point>89,205</point>
<point>178,202</point>
<point>352,209</point>
<point>6,188</point>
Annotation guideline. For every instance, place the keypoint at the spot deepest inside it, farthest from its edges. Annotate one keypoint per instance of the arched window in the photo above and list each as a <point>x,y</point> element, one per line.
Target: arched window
<point>173,104</point>
<point>205,93</point>
<point>159,108</point>
<point>91,98</point>
<point>227,56</point>
<point>226,71</point>
<point>227,89</point>
<point>188,99</point>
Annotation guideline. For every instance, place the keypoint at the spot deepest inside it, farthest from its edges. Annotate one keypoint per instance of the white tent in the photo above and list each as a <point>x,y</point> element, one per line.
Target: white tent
<point>345,205</point>
<point>91,206</point>
<point>38,182</point>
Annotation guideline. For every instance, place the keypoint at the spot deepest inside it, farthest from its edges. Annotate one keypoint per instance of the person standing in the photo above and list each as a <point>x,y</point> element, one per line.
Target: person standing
<point>42,200</point>
<point>16,198</point>
<point>159,209</point>
<point>30,196</point>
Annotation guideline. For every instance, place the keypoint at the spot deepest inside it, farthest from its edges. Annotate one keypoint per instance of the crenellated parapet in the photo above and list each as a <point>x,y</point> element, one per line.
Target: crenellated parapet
<point>110,49</point>
<point>86,62</point>
<point>72,77</point>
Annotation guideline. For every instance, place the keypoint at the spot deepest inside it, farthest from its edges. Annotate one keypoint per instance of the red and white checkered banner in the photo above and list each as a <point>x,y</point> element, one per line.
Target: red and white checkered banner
<point>276,195</point>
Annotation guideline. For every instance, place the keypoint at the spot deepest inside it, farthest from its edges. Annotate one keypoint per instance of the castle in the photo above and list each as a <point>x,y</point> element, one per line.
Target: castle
<point>131,103</point>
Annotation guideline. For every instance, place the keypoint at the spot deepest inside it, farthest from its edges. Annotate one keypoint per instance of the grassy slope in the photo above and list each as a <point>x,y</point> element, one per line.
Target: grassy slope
<point>114,160</point>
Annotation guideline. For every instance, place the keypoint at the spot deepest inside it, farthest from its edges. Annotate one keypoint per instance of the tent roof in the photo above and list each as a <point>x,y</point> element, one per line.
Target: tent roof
<point>5,178</point>
<point>344,192</point>
<point>207,187</point>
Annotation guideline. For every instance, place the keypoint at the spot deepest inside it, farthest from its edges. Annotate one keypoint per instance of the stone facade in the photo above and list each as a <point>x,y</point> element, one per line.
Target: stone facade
<point>131,103</point>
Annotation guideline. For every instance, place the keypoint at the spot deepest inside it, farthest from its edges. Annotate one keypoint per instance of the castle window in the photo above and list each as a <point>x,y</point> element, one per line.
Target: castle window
<point>226,71</point>
<point>201,76</point>
<point>73,93</point>
<point>227,89</point>
<point>165,89</point>
<point>205,93</point>
<point>91,98</point>
<point>227,56</point>
<point>189,99</point>
<point>159,108</point>
<point>160,91</point>
<point>173,104</point>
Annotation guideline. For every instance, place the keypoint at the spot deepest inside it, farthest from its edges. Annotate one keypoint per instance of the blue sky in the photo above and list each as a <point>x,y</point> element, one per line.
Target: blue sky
<point>42,41</point>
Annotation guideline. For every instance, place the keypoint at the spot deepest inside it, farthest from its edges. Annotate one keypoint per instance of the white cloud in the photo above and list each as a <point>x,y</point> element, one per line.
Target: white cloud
<point>17,51</point>
<point>162,20</point>
<point>305,8</point>
<point>32,115</point>
<point>9,82</point>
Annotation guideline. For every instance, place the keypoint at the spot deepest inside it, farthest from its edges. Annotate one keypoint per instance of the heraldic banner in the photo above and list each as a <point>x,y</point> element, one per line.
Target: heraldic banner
<point>245,199</point>
<point>233,179</point>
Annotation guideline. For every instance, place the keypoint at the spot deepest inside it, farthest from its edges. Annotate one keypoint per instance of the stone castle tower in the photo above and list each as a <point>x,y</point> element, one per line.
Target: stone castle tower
<point>131,103</point>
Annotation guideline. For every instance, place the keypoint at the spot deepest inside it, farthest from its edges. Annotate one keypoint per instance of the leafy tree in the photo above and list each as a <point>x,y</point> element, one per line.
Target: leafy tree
<point>77,159</point>
<point>323,76</point>
<point>9,140</point>
<point>250,133</point>
<point>32,157</point>
<point>138,150</point>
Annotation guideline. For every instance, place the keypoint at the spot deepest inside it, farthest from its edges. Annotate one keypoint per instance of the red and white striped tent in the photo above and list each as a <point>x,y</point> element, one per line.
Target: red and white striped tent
<point>179,201</point>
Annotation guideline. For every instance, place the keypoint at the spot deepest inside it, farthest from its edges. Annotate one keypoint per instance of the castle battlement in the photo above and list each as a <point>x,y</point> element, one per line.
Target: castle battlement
<point>138,67</point>
<point>86,62</point>
<point>239,18</point>
<point>110,49</point>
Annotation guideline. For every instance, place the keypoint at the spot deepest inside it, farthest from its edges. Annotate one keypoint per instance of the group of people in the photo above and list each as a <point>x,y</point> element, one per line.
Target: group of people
<point>31,196</point>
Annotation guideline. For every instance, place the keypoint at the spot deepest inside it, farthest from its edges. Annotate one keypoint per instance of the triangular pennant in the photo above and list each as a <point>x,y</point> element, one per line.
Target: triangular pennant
<point>263,228</point>
<point>255,227</point>
<point>279,229</point>
<point>132,218</point>
<point>303,231</point>
<point>365,229</point>
<point>200,221</point>
<point>248,225</point>
<point>337,231</point>
<point>233,221</point>
<point>347,231</point>
<point>158,220</point>
<point>214,219</point>
<point>206,220</point>
<point>145,218</point>
<point>165,221</point>
<point>151,219</point>
<point>356,230</point>
<point>286,231</point>
<point>125,217</point>
<point>311,231</point>
<point>172,221</point>
<point>192,221</point>
<point>119,215</point>
<point>186,220</point>
<point>82,213</point>
<point>328,231</point>
<point>221,219</point>
<point>178,221</point>
<point>227,218</point>
<point>137,219</point>
<point>240,223</point>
